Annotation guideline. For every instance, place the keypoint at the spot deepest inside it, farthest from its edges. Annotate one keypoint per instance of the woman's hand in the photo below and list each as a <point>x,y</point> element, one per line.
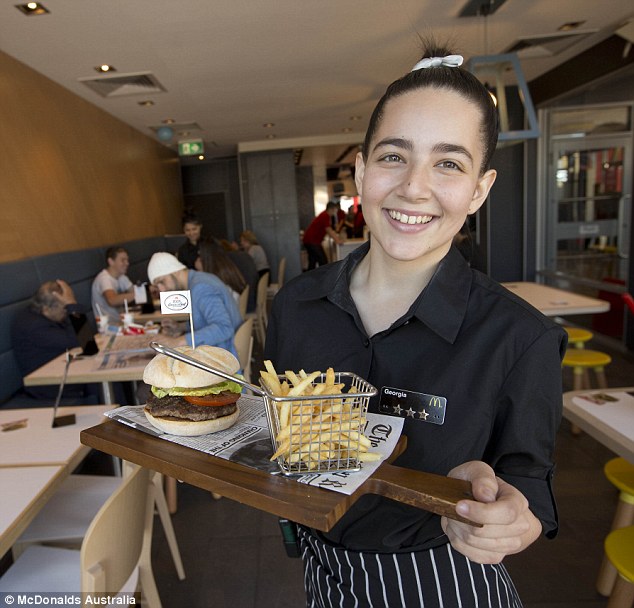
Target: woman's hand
<point>508,524</point>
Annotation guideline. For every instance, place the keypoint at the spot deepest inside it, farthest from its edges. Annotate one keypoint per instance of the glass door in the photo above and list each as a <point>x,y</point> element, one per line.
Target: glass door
<point>589,210</point>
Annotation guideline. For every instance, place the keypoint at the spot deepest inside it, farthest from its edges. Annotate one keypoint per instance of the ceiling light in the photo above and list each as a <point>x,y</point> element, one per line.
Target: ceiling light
<point>201,157</point>
<point>146,103</point>
<point>104,67</point>
<point>355,118</point>
<point>168,121</point>
<point>571,25</point>
<point>346,129</point>
<point>268,125</point>
<point>270,136</point>
<point>32,8</point>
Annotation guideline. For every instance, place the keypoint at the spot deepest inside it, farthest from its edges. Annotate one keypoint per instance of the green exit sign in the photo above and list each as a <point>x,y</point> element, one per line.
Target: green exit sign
<point>190,148</point>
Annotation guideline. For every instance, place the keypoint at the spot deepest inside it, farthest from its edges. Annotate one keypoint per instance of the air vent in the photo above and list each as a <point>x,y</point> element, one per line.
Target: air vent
<point>480,8</point>
<point>142,83</point>
<point>180,128</point>
<point>547,45</point>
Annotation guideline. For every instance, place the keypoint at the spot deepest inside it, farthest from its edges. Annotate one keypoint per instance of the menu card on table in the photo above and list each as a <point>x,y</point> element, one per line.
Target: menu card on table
<point>615,409</point>
<point>248,442</point>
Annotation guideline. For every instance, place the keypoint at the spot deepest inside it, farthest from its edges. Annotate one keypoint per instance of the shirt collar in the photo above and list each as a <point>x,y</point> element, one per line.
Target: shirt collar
<point>448,291</point>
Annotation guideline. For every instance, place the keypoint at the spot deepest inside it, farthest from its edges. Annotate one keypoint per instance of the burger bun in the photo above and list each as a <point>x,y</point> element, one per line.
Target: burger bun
<point>166,372</point>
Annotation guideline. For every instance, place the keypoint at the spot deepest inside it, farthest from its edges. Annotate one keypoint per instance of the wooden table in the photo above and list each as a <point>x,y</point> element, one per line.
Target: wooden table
<point>276,494</point>
<point>617,437</point>
<point>35,460</point>
<point>86,370</point>
<point>555,302</point>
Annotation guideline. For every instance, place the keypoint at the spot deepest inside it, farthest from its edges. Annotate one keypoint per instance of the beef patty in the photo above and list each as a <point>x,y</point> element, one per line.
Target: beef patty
<point>173,406</point>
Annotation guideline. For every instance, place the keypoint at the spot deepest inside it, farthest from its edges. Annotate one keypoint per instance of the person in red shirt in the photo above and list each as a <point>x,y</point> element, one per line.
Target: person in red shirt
<point>315,233</point>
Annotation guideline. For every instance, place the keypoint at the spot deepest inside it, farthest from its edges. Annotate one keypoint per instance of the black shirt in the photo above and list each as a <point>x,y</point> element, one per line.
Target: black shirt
<point>495,358</point>
<point>188,254</point>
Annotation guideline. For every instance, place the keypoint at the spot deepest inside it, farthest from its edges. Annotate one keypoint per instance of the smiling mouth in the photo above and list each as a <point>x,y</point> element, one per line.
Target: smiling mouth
<point>403,218</point>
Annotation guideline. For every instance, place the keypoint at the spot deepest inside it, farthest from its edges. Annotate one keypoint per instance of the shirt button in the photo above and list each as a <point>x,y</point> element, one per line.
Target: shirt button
<point>366,343</point>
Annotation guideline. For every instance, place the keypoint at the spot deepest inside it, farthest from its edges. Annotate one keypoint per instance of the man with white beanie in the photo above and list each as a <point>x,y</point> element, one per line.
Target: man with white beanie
<point>214,310</point>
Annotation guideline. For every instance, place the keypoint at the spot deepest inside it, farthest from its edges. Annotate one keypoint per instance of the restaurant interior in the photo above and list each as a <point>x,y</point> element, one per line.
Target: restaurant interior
<point>120,117</point>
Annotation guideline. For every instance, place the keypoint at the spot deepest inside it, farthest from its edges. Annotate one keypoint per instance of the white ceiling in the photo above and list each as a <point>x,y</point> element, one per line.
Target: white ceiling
<point>230,66</point>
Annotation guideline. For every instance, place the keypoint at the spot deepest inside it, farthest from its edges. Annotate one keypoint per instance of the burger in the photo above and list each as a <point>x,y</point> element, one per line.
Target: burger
<point>185,400</point>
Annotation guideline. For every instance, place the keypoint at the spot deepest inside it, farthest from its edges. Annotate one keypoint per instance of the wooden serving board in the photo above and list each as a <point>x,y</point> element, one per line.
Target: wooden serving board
<point>276,494</point>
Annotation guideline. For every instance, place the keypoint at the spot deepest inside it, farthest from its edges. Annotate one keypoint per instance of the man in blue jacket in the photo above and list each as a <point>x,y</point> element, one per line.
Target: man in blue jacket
<point>214,310</point>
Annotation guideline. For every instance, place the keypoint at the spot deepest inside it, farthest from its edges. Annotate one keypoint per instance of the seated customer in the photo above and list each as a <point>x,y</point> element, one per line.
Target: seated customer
<point>111,287</point>
<point>215,312</point>
<point>246,265</point>
<point>249,243</point>
<point>212,258</point>
<point>42,331</point>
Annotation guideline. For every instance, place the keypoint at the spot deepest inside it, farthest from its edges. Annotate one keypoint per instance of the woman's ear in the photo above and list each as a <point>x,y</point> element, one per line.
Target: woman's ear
<point>483,186</point>
<point>358,172</point>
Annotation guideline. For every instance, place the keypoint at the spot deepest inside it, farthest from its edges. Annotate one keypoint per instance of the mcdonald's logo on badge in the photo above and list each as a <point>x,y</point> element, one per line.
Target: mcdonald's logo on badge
<point>435,402</point>
<point>174,302</point>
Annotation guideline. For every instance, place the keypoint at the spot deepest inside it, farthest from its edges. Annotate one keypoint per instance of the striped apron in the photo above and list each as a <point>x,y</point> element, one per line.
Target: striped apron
<point>436,578</point>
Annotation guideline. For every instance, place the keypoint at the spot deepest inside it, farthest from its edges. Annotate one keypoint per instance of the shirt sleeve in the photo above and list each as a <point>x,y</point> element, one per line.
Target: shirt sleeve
<point>212,321</point>
<point>531,398</point>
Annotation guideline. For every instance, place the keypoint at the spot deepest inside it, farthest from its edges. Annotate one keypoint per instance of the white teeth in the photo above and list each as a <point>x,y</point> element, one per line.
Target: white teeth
<point>403,218</point>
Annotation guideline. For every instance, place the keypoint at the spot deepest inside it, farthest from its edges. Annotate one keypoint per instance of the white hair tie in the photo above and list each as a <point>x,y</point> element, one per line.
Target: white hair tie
<point>450,61</point>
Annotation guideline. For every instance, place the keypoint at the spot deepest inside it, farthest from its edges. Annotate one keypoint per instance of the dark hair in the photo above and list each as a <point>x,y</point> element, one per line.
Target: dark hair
<point>214,259</point>
<point>111,252</point>
<point>452,78</point>
<point>331,205</point>
<point>44,296</point>
<point>189,217</point>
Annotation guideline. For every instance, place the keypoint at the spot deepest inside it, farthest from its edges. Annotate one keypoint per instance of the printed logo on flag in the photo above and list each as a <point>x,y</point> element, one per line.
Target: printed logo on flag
<point>173,302</point>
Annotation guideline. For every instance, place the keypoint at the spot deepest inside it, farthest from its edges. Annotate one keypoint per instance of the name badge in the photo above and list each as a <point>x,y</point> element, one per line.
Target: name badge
<point>410,404</point>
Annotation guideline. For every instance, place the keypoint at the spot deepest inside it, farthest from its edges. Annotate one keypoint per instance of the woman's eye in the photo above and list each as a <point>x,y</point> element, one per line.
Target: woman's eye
<point>391,158</point>
<point>449,164</point>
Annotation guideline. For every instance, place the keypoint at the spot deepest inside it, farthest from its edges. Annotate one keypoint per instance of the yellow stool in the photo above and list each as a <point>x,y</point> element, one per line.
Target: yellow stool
<point>578,336</point>
<point>619,547</point>
<point>581,359</point>
<point>620,473</point>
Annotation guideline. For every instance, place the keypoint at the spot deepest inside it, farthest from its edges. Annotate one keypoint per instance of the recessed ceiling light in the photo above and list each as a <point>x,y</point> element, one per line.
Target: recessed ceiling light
<point>268,125</point>
<point>104,67</point>
<point>201,157</point>
<point>355,118</point>
<point>147,102</point>
<point>270,136</point>
<point>32,8</point>
<point>571,25</point>
<point>346,129</point>
<point>168,121</point>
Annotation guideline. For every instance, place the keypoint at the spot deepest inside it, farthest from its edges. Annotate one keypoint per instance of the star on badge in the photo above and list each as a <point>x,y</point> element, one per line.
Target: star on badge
<point>397,409</point>
<point>410,412</point>
<point>423,415</point>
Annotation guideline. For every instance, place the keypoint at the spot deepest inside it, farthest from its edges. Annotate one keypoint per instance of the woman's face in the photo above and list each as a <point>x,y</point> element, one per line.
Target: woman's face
<point>192,232</point>
<point>421,178</point>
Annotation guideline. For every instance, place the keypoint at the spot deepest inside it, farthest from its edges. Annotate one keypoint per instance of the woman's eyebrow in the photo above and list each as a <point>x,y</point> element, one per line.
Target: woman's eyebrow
<point>447,148</point>
<point>397,142</point>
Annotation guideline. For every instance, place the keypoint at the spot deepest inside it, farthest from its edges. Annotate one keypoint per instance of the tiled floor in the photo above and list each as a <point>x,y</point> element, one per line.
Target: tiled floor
<point>234,557</point>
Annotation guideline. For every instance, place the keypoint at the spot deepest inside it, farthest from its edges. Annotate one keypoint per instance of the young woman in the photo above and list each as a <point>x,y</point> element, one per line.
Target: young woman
<point>249,243</point>
<point>213,259</point>
<point>405,311</point>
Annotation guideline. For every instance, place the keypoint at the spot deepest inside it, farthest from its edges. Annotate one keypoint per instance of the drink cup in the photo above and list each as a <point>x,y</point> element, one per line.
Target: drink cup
<point>102,323</point>
<point>127,319</point>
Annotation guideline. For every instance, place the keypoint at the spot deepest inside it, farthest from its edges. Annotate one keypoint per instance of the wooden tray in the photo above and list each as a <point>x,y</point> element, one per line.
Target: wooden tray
<point>276,494</point>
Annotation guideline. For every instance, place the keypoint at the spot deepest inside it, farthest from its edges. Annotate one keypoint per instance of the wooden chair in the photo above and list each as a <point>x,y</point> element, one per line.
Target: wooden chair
<point>620,473</point>
<point>243,302</point>
<point>243,341</point>
<point>259,315</point>
<point>619,549</point>
<point>114,557</point>
<point>273,288</point>
<point>68,514</point>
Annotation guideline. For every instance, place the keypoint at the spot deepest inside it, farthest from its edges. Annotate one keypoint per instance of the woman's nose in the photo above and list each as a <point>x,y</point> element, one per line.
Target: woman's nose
<point>416,184</point>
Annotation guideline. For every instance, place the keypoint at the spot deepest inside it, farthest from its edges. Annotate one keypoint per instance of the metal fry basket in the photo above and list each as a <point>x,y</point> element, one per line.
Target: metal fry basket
<point>319,433</point>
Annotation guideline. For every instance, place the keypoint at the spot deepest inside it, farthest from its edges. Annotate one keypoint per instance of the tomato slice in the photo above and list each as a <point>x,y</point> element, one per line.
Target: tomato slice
<point>213,400</point>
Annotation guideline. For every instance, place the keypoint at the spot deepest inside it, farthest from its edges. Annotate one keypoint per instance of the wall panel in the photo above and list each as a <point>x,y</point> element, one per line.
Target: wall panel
<point>73,176</point>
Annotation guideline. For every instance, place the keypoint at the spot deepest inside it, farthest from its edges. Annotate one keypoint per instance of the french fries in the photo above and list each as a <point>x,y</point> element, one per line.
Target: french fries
<point>324,433</point>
